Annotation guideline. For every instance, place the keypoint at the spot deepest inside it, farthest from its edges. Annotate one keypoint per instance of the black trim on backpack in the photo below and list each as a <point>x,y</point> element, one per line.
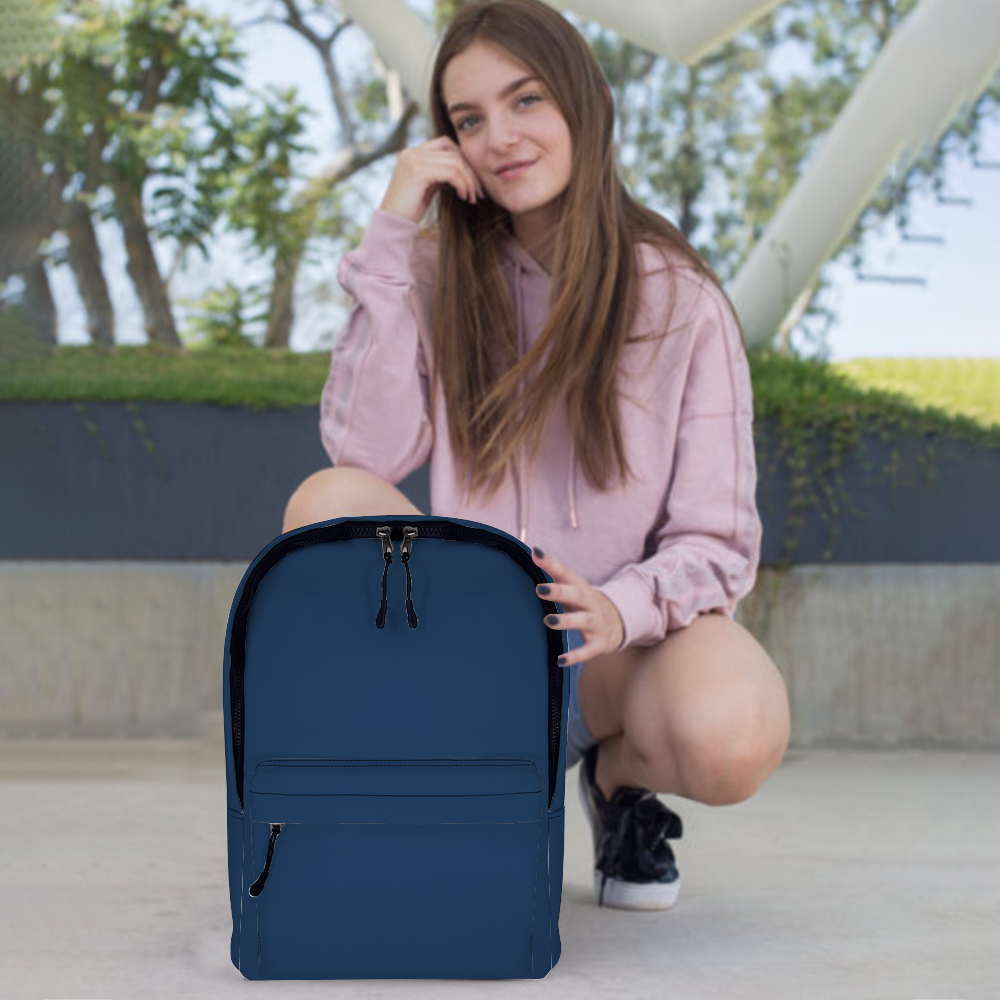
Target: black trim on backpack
<point>443,529</point>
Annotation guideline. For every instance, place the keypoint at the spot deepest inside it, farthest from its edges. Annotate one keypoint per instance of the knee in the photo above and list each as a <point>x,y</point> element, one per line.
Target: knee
<point>325,494</point>
<point>724,761</point>
<point>723,774</point>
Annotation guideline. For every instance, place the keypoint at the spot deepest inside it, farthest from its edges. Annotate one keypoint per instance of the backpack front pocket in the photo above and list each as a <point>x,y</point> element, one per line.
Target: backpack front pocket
<point>395,868</point>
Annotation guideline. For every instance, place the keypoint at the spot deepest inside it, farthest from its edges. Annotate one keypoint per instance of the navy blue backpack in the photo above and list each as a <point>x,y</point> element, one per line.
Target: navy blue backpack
<point>395,755</point>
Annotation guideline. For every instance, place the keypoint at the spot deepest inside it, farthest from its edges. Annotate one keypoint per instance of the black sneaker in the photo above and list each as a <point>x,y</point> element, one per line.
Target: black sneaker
<point>634,866</point>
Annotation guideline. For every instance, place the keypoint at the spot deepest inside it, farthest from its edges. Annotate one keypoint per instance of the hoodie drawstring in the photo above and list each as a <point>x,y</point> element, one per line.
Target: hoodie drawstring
<point>572,485</point>
<point>522,493</point>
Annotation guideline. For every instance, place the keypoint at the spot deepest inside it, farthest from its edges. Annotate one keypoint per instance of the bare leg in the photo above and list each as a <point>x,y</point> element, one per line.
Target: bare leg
<point>343,491</point>
<point>703,714</point>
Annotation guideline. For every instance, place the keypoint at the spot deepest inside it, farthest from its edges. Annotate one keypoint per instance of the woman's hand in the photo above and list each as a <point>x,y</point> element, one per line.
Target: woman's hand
<point>421,170</point>
<point>585,609</point>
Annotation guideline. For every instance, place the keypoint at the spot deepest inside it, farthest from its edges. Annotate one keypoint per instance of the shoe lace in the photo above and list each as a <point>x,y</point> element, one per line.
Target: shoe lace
<point>638,828</point>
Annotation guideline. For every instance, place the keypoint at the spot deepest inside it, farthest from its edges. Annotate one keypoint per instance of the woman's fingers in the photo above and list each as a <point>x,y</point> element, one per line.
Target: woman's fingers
<point>555,568</point>
<point>569,619</point>
<point>461,175</point>
<point>468,175</point>
<point>420,172</point>
<point>466,183</point>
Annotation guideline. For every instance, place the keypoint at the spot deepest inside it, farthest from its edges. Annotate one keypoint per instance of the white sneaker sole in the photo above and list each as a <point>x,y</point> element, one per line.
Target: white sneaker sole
<point>637,895</point>
<point>629,895</point>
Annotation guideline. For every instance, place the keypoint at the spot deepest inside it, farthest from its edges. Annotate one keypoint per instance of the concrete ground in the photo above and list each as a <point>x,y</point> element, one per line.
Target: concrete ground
<point>849,874</point>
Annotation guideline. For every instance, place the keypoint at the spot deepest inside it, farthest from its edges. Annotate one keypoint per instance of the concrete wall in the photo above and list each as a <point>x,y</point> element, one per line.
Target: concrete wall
<point>873,655</point>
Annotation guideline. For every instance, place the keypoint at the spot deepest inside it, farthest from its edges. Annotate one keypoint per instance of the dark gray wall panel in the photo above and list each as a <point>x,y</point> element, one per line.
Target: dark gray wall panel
<point>78,481</point>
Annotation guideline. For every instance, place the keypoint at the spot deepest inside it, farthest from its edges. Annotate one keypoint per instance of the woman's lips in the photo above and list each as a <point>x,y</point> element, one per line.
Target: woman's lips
<point>516,171</point>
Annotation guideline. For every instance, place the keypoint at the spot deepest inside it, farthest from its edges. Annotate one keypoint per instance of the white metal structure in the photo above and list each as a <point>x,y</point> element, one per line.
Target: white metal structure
<point>937,63</point>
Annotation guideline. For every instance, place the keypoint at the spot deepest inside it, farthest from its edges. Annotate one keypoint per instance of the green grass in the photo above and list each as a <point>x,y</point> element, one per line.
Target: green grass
<point>955,395</point>
<point>924,392</point>
<point>244,376</point>
<point>961,386</point>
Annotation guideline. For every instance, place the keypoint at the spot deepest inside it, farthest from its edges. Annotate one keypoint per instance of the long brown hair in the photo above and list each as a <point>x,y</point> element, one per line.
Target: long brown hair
<point>595,271</point>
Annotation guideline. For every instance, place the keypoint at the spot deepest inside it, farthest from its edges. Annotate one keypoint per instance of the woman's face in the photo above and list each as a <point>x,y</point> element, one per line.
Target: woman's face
<point>500,125</point>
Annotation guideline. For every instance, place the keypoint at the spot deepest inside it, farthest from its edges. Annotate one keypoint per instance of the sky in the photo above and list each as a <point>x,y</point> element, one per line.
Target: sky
<point>955,313</point>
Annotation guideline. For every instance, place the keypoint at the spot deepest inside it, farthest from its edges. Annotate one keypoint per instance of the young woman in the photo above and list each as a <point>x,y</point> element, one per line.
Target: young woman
<point>546,308</point>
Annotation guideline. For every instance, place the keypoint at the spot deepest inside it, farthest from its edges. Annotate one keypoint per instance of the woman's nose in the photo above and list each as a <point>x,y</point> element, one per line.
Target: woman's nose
<point>502,135</point>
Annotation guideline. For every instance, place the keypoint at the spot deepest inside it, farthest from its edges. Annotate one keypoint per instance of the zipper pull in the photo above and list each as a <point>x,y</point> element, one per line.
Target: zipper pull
<point>385,533</point>
<point>258,887</point>
<point>409,533</point>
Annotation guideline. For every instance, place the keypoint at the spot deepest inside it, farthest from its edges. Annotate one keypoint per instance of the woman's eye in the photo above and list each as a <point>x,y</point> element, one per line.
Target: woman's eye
<point>468,118</point>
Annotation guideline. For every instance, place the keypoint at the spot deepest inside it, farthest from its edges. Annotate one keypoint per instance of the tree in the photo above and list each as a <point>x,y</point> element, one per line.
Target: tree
<point>27,197</point>
<point>313,211</point>
<point>128,119</point>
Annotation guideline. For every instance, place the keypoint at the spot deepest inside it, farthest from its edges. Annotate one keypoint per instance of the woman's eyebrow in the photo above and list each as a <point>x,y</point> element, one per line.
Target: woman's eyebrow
<point>509,89</point>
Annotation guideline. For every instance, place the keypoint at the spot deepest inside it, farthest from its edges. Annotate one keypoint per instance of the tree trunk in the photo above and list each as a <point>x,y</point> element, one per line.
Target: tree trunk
<point>85,261</point>
<point>38,301</point>
<point>29,202</point>
<point>282,311</point>
<point>143,268</point>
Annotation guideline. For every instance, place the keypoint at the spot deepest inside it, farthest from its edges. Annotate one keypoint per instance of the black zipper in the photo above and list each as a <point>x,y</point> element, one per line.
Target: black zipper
<point>258,887</point>
<point>442,529</point>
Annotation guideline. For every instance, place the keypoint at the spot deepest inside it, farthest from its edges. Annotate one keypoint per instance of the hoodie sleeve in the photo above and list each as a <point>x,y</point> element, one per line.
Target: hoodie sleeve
<point>708,547</point>
<point>374,410</point>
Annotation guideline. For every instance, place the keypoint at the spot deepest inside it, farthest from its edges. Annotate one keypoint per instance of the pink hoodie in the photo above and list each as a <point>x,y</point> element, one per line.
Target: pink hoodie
<point>681,540</point>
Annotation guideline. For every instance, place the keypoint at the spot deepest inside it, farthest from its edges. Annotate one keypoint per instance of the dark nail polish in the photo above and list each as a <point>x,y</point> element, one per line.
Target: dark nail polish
<point>552,620</point>
<point>539,553</point>
<point>561,661</point>
<point>543,588</point>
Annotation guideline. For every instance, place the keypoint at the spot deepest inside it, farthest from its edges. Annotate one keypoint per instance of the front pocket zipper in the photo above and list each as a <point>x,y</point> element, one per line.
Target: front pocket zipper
<point>396,868</point>
<point>258,887</point>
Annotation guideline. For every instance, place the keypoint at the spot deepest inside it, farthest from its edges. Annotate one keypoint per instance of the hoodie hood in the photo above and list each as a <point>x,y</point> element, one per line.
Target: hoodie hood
<point>524,272</point>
